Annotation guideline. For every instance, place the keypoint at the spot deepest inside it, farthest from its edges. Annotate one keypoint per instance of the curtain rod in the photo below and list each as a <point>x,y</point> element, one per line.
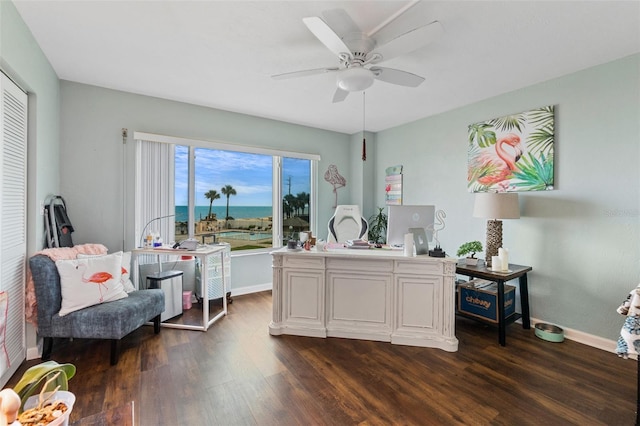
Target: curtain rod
<point>224,146</point>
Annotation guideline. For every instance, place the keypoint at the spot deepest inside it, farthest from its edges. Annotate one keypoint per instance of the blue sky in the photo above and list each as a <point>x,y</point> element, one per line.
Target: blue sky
<point>249,174</point>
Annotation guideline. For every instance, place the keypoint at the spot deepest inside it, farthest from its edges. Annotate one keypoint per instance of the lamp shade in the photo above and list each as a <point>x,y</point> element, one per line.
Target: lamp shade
<point>496,205</point>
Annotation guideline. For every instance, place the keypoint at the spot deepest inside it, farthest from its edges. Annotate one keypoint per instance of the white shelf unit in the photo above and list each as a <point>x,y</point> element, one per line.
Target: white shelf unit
<point>215,266</point>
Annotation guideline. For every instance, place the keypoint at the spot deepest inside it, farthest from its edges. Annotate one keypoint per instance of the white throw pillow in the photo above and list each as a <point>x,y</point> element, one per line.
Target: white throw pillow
<point>125,279</point>
<point>90,281</point>
<point>126,272</point>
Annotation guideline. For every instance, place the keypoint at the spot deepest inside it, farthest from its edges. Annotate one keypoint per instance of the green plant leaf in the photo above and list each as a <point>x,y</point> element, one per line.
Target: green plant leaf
<point>36,376</point>
<point>482,134</point>
<point>542,117</point>
<point>541,139</point>
<point>472,247</point>
<point>378,225</point>
<point>535,174</point>
<point>509,122</point>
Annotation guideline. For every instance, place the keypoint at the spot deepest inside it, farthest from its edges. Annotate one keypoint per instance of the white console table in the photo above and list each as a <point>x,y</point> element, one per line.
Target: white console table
<point>365,294</point>
<point>203,253</point>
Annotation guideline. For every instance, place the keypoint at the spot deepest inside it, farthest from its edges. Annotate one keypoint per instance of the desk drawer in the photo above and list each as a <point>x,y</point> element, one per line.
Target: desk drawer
<point>360,264</point>
<point>304,262</point>
<point>421,268</point>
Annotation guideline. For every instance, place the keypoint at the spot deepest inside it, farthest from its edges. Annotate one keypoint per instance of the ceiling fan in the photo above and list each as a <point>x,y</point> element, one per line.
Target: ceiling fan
<point>358,53</point>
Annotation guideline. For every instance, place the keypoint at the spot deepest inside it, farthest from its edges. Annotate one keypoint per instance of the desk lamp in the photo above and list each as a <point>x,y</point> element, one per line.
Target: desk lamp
<point>149,223</point>
<point>495,206</point>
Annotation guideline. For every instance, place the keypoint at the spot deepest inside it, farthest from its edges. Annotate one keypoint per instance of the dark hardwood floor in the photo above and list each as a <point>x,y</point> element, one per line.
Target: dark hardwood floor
<point>237,374</point>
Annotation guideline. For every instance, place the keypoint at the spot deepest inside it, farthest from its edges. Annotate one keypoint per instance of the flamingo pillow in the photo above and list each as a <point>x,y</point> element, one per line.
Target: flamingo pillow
<point>126,268</point>
<point>90,281</point>
<point>126,272</point>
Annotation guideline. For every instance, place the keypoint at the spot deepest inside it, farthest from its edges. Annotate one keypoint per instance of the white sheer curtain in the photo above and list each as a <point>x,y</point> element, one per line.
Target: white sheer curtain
<point>154,190</point>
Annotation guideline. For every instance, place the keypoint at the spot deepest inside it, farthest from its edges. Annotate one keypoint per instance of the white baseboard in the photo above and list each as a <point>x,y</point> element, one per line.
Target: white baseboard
<point>33,353</point>
<point>251,289</point>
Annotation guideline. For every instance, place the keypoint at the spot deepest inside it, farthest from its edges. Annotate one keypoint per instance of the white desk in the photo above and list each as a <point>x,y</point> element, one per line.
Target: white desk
<point>365,294</point>
<point>203,254</point>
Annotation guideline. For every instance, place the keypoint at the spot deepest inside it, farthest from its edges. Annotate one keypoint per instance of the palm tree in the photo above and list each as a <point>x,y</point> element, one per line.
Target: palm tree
<point>303,198</point>
<point>289,201</point>
<point>211,195</point>
<point>228,191</point>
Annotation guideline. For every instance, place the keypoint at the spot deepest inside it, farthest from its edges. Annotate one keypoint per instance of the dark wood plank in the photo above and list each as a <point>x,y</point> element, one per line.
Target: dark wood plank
<point>236,373</point>
<point>121,415</point>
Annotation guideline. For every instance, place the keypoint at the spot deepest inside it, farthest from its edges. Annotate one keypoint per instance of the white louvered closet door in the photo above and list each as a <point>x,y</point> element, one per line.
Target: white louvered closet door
<point>13,229</point>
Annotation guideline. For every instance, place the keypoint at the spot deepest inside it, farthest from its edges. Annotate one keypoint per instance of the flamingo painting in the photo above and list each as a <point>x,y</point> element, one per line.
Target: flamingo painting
<point>512,153</point>
<point>99,278</point>
<point>501,166</point>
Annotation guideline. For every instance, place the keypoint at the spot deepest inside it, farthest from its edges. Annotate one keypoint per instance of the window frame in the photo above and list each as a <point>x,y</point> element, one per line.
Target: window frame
<point>277,179</point>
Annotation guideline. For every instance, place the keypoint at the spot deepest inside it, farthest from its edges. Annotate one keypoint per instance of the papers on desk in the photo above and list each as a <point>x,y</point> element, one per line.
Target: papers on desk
<point>358,244</point>
<point>168,248</point>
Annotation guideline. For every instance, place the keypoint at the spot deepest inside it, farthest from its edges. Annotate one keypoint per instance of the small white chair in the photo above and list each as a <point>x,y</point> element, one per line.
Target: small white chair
<point>347,224</point>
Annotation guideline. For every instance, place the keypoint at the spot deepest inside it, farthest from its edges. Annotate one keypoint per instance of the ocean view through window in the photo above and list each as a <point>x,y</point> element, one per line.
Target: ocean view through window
<point>231,197</point>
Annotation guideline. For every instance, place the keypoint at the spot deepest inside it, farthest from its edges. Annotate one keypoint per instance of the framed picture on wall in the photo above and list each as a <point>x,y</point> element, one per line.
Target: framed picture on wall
<point>393,186</point>
<point>512,153</point>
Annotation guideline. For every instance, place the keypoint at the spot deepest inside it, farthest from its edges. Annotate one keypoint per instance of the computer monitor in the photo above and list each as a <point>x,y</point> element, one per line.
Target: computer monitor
<point>401,218</point>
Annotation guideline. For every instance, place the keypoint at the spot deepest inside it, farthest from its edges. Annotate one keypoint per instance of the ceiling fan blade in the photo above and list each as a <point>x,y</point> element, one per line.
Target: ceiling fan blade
<point>410,41</point>
<point>303,73</point>
<point>340,95</point>
<point>326,35</point>
<point>340,21</point>
<point>393,76</point>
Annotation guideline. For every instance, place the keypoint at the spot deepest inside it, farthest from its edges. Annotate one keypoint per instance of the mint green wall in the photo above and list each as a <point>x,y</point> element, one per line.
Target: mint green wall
<point>582,238</point>
<point>23,61</point>
<point>91,152</point>
<point>360,182</point>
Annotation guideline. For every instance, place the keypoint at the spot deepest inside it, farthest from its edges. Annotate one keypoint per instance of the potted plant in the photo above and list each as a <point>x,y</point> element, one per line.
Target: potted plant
<point>378,226</point>
<point>472,247</point>
<point>42,391</point>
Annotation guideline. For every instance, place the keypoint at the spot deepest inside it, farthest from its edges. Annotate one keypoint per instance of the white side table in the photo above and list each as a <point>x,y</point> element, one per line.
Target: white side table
<point>203,254</point>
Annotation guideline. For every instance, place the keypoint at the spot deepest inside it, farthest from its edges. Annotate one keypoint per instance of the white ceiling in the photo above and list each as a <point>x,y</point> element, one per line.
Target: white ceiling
<point>222,54</point>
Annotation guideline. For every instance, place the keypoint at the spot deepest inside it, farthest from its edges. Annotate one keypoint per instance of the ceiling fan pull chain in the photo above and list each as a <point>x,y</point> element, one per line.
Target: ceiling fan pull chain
<point>364,149</point>
<point>364,140</point>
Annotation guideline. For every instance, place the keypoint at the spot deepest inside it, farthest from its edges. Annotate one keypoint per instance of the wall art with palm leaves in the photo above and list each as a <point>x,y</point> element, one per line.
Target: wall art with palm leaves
<point>512,153</point>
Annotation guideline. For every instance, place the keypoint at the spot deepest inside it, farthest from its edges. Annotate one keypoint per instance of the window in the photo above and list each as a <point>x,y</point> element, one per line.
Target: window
<point>296,198</point>
<point>226,193</point>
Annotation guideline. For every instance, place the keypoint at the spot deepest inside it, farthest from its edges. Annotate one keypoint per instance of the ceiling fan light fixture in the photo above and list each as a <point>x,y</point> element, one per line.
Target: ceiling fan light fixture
<point>355,79</point>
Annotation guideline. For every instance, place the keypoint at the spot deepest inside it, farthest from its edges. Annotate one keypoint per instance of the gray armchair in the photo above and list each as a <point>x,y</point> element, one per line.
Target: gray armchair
<point>110,320</point>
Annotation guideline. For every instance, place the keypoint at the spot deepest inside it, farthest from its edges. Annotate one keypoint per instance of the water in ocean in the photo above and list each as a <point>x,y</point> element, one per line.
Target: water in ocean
<point>237,212</point>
